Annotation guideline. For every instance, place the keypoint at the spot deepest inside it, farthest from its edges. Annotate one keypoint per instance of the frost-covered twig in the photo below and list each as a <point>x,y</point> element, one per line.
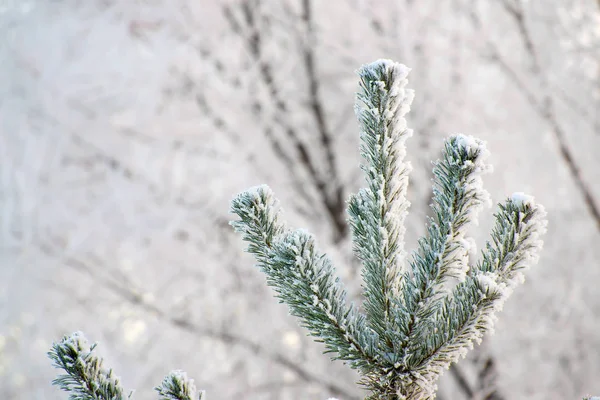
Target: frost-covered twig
<point>469,311</point>
<point>443,253</point>
<point>85,378</point>
<point>177,386</point>
<point>377,212</point>
<point>303,278</point>
<point>420,315</point>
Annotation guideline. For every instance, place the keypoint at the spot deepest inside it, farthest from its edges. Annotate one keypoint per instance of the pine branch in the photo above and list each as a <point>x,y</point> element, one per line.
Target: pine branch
<point>304,279</point>
<point>376,213</point>
<point>177,386</point>
<point>443,253</point>
<point>469,311</point>
<point>520,223</point>
<point>85,377</point>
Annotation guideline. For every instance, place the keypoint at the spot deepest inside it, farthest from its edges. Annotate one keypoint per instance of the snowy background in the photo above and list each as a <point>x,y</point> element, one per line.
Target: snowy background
<point>127,126</point>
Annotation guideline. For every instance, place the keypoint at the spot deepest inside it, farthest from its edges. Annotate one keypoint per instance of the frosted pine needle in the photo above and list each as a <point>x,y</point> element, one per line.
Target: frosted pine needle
<point>85,378</point>
<point>177,386</point>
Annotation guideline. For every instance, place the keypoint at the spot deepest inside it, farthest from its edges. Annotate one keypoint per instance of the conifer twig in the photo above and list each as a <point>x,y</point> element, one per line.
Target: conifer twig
<point>303,278</point>
<point>177,386</point>
<point>85,378</point>
<point>443,253</point>
<point>377,212</point>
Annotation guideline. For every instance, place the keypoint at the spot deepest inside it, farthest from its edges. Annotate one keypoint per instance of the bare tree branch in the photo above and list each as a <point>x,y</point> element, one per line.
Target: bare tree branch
<point>333,203</point>
<point>487,389</point>
<point>461,380</point>
<point>543,106</point>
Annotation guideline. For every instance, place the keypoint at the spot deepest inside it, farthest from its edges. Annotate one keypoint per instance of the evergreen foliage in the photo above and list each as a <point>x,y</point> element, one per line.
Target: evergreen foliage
<point>420,312</point>
<point>85,378</point>
<point>177,386</point>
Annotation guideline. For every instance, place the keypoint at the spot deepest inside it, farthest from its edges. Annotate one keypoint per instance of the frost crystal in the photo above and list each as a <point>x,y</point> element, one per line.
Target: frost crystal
<point>522,199</point>
<point>177,386</point>
<point>488,281</point>
<point>388,66</point>
<point>78,341</point>
<point>469,143</point>
<point>85,377</point>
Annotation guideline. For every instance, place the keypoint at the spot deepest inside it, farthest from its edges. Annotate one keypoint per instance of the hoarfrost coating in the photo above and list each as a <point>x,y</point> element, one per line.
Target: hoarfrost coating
<point>387,65</point>
<point>78,341</point>
<point>470,143</point>
<point>522,199</point>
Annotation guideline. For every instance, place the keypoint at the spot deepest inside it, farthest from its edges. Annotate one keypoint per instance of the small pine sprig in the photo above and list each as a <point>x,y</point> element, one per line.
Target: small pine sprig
<point>85,378</point>
<point>377,212</point>
<point>442,254</point>
<point>177,386</point>
<point>303,278</point>
<point>469,310</point>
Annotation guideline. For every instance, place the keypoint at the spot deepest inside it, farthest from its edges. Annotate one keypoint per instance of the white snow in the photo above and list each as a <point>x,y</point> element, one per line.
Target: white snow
<point>522,199</point>
<point>469,142</point>
<point>78,341</point>
<point>488,281</point>
<point>400,70</point>
<point>469,245</point>
<point>182,378</point>
<point>258,189</point>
